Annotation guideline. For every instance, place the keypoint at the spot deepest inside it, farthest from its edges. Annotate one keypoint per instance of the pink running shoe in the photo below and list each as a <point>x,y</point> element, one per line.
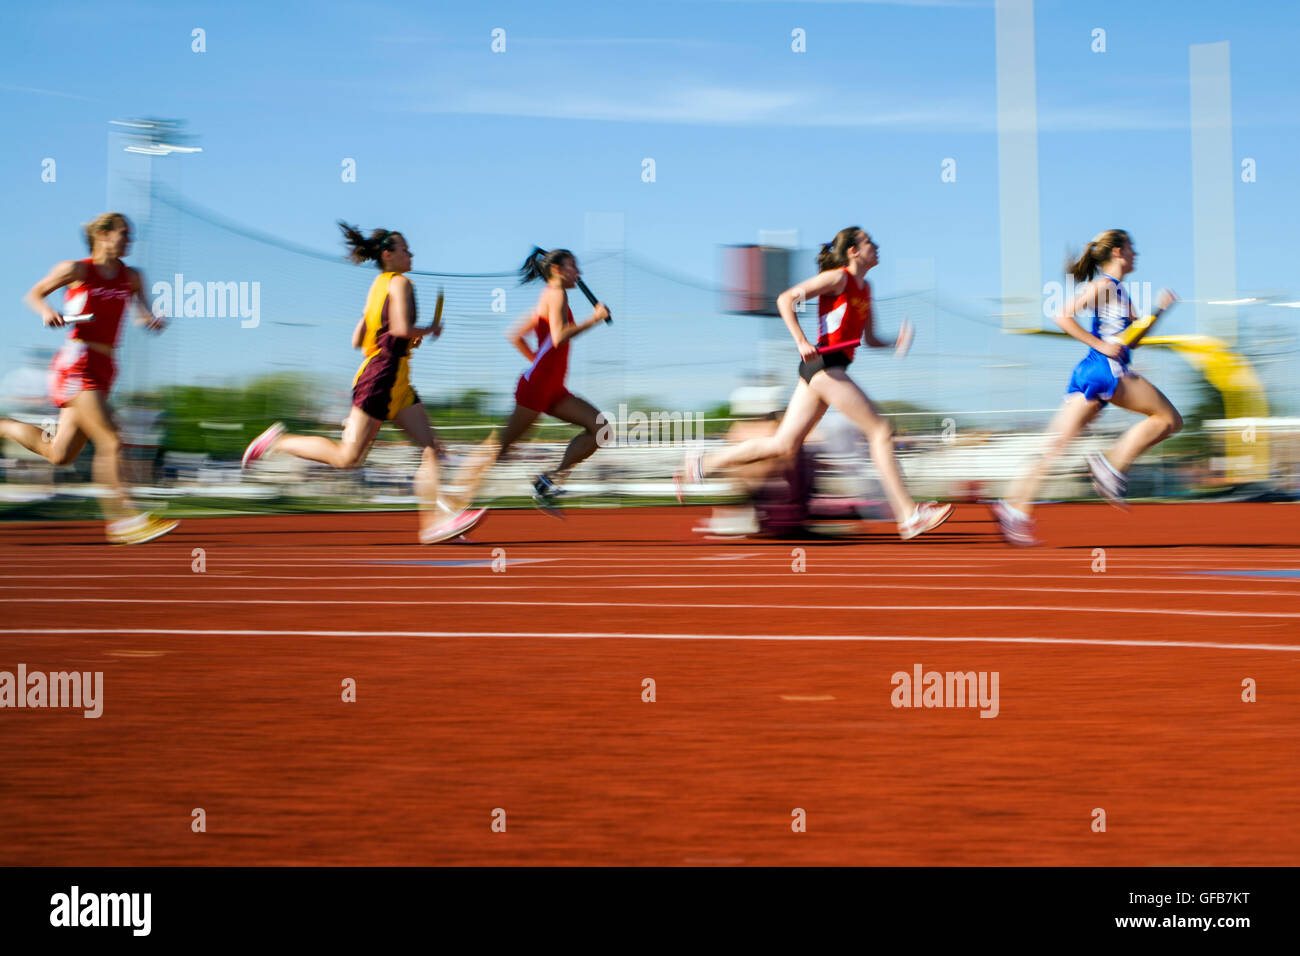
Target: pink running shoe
<point>455,526</point>
<point>262,444</point>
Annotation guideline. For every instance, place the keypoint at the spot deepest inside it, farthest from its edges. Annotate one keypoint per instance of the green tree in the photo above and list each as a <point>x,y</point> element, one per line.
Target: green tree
<point>220,421</point>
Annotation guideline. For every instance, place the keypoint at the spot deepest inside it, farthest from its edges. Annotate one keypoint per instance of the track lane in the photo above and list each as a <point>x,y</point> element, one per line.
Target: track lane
<point>555,731</point>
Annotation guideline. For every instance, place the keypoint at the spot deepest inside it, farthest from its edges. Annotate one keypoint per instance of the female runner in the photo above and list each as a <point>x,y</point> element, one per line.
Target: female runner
<point>1103,376</point>
<point>83,370</point>
<point>540,389</point>
<point>381,389</point>
<point>844,321</point>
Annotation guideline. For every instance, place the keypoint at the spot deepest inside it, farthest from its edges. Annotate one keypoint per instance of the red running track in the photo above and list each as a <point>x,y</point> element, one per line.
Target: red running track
<point>521,690</point>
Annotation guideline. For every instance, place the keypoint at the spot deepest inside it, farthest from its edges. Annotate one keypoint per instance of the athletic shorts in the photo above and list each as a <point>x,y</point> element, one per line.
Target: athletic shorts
<point>1096,377</point>
<point>79,368</point>
<point>539,396</point>
<point>829,360</point>
<point>382,388</point>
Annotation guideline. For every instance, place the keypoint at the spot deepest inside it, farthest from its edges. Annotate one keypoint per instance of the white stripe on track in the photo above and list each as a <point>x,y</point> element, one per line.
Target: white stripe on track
<point>606,635</point>
<point>219,585</point>
<point>538,605</point>
<point>534,579</point>
<point>413,557</point>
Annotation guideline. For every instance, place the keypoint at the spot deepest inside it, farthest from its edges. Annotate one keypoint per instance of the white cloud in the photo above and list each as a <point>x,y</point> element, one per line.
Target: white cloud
<point>706,104</point>
<point>969,4</point>
<point>601,42</point>
<point>711,105</point>
<point>33,89</point>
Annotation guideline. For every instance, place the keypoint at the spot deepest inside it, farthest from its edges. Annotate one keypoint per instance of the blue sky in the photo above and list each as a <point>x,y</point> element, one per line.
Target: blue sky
<point>477,155</point>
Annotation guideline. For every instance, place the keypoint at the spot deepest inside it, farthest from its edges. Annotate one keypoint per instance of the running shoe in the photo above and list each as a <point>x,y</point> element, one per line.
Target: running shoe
<point>926,517</point>
<point>546,494</point>
<point>138,529</point>
<point>262,444</point>
<point>1110,484</point>
<point>731,523</point>
<point>1017,528</point>
<point>691,473</point>
<point>454,527</point>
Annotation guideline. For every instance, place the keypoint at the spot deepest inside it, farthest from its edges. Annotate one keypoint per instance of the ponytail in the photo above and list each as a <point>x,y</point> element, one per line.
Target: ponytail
<point>539,263</point>
<point>362,249</point>
<point>835,254</point>
<point>1096,254</point>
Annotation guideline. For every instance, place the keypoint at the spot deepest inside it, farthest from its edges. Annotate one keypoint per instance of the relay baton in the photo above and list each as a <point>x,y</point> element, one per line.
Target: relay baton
<point>823,349</point>
<point>1137,328</point>
<point>592,299</point>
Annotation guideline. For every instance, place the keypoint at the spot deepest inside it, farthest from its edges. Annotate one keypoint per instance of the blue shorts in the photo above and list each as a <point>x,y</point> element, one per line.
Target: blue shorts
<point>1097,376</point>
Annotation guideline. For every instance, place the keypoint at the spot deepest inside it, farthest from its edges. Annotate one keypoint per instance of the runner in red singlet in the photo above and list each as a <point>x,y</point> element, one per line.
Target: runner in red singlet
<point>99,290</point>
<point>541,390</point>
<point>844,318</point>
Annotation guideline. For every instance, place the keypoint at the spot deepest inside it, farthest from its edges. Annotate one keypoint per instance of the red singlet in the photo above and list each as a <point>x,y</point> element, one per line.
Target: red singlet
<point>841,318</point>
<point>105,298</point>
<point>542,384</point>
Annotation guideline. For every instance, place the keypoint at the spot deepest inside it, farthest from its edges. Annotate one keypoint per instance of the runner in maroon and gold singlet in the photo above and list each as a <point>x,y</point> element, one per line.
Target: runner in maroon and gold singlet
<point>381,389</point>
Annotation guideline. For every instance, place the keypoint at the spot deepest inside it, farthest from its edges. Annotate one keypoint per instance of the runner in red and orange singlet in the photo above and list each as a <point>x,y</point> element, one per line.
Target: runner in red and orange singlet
<point>541,390</point>
<point>844,321</point>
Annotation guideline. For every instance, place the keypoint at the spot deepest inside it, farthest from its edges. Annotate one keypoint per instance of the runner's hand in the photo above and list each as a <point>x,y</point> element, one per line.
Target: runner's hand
<point>904,340</point>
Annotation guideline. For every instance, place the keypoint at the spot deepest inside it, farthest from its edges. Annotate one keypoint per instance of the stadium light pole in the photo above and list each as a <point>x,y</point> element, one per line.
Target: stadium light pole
<point>148,137</point>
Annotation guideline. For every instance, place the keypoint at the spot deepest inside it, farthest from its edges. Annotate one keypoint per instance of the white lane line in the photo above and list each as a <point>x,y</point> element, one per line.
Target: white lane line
<point>417,574</point>
<point>1117,561</point>
<point>539,605</point>
<point>546,570</point>
<point>219,585</point>
<point>606,635</point>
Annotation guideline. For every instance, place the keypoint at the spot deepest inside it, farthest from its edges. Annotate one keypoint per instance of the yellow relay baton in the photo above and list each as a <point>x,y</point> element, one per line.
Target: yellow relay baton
<point>1130,335</point>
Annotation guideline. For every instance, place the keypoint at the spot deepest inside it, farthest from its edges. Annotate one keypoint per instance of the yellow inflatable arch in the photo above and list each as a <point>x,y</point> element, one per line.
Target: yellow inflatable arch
<point>1246,452</point>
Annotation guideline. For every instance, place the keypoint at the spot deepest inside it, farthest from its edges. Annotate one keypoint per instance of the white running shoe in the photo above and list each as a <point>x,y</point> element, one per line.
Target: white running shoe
<point>730,524</point>
<point>138,529</point>
<point>454,527</point>
<point>262,444</point>
<point>691,473</point>
<point>926,517</point>
<point>1110,484</point>
<point>1017,528</point>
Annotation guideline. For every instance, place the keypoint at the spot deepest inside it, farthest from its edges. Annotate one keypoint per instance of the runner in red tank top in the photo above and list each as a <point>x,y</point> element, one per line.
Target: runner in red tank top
<point>540,390</point>
<point>542,384</point>
<point>98,291</point>
<point>844,321</point>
